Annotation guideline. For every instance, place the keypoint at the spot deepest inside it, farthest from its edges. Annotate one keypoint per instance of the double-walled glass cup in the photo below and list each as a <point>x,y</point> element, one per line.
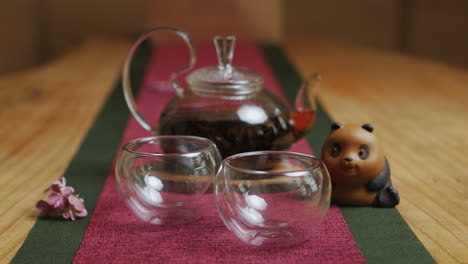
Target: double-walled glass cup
<point>272,198</point>
<point>162,178</point>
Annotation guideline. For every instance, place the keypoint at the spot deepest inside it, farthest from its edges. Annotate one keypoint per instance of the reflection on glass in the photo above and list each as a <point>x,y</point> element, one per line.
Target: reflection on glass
<point>163,178</point>
<point>272,198</point>
<point>252,114</point>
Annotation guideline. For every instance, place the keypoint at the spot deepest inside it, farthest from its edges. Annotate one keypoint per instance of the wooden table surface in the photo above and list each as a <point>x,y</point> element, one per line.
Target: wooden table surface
<point>419,108</point>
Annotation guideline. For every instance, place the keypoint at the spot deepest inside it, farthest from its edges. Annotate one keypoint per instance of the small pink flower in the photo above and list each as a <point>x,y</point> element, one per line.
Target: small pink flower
<point>62,201</point>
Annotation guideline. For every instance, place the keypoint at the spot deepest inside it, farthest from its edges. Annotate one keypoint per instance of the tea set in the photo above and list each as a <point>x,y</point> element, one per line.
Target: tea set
<point>226,130</point>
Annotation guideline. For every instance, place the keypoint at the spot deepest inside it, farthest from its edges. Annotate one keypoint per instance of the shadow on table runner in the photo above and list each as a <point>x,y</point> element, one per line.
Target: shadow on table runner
<point>114,234</point>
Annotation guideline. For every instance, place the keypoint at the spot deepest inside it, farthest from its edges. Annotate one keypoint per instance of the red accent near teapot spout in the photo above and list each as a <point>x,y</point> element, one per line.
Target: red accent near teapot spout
<point>303,121</point>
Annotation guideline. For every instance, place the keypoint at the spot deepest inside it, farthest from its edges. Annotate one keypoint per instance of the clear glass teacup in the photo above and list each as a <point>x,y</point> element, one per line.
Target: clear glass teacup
<point>162,178</point>
<point>272,198</point>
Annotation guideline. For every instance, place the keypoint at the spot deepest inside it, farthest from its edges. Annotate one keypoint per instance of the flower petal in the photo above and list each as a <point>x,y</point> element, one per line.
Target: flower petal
<point>57,200</point>
<point>66,214</point>
<point>82,213</point>
<point>66,190</point>
<point>55,188</point>
<point>72,216</point>
<point>76,203</point>
<point>54,198</point>
<point>42,205</point>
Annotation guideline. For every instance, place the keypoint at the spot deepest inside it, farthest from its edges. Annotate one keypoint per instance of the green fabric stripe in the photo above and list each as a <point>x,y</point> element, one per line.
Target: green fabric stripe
<point>381,234</point>
<point>56,241</point>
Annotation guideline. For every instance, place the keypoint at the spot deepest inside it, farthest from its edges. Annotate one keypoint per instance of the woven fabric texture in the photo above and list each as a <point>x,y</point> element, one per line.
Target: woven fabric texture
<point>115,235</point>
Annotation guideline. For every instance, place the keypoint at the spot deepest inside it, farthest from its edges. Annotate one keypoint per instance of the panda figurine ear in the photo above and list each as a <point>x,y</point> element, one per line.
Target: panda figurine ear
<point>335,126</point>
<point>368,127</point>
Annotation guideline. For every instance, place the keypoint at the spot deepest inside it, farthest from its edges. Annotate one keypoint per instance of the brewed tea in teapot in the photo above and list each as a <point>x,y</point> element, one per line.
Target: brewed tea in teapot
<point>229,104</point>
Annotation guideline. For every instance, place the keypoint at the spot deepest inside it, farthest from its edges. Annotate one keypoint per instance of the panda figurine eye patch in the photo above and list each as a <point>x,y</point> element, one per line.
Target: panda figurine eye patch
<point>358,168</point>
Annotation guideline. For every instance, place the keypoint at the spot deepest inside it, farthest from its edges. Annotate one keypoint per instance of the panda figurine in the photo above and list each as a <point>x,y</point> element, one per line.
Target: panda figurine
<point>358,169</point>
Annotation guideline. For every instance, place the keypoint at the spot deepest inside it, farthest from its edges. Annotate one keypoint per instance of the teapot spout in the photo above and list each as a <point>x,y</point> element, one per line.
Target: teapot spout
<point>305,106</point>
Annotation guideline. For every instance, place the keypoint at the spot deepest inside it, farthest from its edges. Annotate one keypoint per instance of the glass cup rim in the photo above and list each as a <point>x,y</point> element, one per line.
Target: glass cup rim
<point>269,152</point>
<point>126,146</point>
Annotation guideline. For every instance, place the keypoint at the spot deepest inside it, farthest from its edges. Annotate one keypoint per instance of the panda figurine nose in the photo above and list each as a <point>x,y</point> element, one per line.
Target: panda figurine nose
<point>348,159</point>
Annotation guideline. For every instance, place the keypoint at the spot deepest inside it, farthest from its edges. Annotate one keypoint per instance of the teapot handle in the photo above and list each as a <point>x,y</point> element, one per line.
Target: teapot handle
<point>127,90</point>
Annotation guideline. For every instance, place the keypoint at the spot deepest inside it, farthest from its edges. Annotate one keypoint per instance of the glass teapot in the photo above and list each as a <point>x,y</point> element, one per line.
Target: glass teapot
<point>228,104</point>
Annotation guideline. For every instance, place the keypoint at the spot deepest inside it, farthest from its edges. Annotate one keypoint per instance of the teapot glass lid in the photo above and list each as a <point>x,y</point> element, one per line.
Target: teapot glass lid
<point>225,76</point>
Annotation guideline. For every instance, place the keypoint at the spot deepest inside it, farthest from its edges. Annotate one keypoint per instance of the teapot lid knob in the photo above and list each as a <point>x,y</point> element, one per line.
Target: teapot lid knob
<point>225,78</point>
<point>225,51</point>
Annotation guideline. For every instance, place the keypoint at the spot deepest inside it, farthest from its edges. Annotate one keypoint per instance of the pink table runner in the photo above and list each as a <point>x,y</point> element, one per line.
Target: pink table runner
<point>115,235</point>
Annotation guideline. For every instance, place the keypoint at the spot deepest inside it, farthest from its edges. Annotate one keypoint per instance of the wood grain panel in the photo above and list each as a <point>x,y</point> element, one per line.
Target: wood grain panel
<point>419,110</point>
<point>365,22</point>
<point>45,113</point>
<point>18,35</point>
<point>438,29</point>
<point>203,19</point>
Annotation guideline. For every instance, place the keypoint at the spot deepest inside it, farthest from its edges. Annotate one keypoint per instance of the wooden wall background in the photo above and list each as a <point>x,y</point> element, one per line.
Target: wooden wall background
<point>32,31</point>
<point>437,29</point>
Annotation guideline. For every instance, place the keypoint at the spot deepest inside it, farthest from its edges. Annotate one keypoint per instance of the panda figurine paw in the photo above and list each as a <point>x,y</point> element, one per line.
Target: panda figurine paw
<point>387,198</point>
